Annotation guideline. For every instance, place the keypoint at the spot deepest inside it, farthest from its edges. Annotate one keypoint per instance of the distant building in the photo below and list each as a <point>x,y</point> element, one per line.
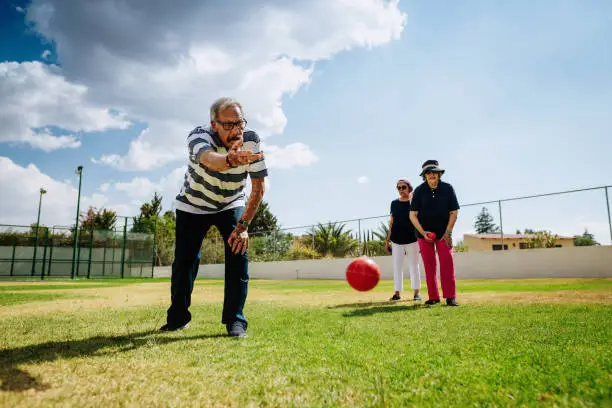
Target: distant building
<point>493,242</point>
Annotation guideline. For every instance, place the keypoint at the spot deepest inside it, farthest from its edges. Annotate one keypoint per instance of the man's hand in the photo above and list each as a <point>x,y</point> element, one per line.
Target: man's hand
<point>238,157</point>
<point>239,240</point>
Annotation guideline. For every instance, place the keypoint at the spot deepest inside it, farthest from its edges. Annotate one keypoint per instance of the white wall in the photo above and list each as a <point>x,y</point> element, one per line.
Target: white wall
<point>575,262</point>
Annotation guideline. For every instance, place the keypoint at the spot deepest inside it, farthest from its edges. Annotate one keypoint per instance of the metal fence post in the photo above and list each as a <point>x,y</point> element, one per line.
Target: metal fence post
<point>91,239</point>
<point>359,231</point>
<point>501,225</point>
<point>13,256</point>
<point>78,254</point>
<point>42,272</point>
<point>33,271</point>
<point>51,252</point>
<point>50,258</point>
<point>155,250</point>
<point>123,248</point>
<point>79,171</point>
<point>609,219</point>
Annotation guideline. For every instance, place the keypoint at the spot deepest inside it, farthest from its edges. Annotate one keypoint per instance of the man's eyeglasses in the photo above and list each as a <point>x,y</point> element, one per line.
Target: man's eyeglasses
<point>402,187</point>
<point>230,125</point>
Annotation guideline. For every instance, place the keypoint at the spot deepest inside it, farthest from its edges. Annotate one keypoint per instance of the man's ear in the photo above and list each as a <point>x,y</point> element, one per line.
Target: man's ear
<point>213,125</point>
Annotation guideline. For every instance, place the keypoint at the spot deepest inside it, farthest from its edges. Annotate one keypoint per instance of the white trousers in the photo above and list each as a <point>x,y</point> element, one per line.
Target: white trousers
<point>400,253</point>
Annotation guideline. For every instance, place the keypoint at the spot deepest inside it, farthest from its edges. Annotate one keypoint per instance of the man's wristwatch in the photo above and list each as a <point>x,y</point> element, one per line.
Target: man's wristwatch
<point>244,223</point>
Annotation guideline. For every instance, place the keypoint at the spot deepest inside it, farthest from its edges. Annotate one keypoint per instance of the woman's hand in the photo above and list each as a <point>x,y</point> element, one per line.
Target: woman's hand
<point>447,237</point>
<point>388,246</point>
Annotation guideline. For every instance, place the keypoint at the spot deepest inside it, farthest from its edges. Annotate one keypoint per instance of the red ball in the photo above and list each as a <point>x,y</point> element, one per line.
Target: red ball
<point>431,235</point>
<point>363,274</point>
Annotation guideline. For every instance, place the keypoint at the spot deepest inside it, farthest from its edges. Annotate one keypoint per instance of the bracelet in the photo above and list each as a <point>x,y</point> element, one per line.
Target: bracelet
<point>449,233</point>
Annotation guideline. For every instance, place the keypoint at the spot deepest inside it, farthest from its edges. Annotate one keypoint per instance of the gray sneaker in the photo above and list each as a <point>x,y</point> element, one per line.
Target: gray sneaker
<point>417,297</point>
<point>236,329</point>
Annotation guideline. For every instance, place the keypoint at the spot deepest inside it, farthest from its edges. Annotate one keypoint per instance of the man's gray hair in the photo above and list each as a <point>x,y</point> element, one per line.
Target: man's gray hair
<point>222,104</point>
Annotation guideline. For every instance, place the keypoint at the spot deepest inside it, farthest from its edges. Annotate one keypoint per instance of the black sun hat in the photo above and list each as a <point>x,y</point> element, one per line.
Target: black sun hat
<point>431,165</point>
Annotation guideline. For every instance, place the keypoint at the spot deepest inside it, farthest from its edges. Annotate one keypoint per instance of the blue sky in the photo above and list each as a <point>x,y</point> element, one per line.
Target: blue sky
<point>511,97</point>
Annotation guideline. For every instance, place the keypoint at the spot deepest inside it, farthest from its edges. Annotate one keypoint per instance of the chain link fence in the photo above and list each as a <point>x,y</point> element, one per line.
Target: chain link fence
<point>365,236</point>
<point>48,252</point>
<point>120,252</point>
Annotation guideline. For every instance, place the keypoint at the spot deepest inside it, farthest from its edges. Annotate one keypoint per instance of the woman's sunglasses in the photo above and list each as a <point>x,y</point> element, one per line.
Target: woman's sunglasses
<point>402,187</point>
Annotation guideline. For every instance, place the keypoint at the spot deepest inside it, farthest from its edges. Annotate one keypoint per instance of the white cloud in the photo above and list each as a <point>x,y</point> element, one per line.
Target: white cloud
<point>295,154</point>
<point>45,54</point>
<point>139,190</point>
<point>20,203</point>
<point>35,97</point>
<point>362,180</point>
<point>143,155</point>
<point>19,9</point>
<point>59,203</point>
<point>139,187</point>
<point>259,53</point>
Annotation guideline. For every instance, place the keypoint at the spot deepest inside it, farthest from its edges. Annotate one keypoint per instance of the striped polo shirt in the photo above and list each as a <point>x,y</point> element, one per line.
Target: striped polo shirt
<point>206,191</point>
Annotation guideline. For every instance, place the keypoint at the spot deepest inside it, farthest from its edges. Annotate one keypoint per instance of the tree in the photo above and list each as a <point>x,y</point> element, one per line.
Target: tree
<point>149,213</point>
<point>41,229</point>
<point>264,220</point>
<point>543,239</point>
<point>332,239</point>
<point>374,241</point>
<point>154,208</point>
<point>102,219</point>
<point>484,223</point>
<point>271,246</point>
<point>586,239</point>
<point>461,247</point>
<point>165,228</point>
<point>383,232</point>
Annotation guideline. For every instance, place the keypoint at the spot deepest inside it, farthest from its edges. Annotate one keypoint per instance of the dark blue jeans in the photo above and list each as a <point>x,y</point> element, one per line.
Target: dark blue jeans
<point>190,232</point>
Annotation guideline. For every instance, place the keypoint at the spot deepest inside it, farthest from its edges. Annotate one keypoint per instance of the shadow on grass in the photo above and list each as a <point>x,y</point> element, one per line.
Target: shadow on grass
<point>15,379</point>
<point>369,304</point>
<point>383,309</point>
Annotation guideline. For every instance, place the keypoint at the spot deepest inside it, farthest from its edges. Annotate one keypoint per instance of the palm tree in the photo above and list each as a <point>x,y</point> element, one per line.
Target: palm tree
<point>374,241</point>
<point>383,232</point>
<point>106,219</point>
<point>332,239</point>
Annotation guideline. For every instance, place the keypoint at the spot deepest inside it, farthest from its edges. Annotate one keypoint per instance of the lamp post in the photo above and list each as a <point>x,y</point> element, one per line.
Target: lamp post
<point>78,171</point>
<point>42,191</point>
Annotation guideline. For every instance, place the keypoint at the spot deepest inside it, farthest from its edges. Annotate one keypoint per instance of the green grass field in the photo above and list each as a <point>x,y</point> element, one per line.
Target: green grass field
<point>311,343</point>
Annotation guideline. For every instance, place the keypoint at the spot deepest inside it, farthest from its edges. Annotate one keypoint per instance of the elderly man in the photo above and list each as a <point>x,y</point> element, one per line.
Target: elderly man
<point>221,156</point>
<point>434,210</point>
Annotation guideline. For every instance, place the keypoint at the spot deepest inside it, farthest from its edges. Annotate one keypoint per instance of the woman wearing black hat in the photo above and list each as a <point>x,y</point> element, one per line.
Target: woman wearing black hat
<point>434,210</point>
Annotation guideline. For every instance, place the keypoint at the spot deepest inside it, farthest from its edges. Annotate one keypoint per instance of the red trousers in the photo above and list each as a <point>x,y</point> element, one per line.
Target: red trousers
<point>447,268</point>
